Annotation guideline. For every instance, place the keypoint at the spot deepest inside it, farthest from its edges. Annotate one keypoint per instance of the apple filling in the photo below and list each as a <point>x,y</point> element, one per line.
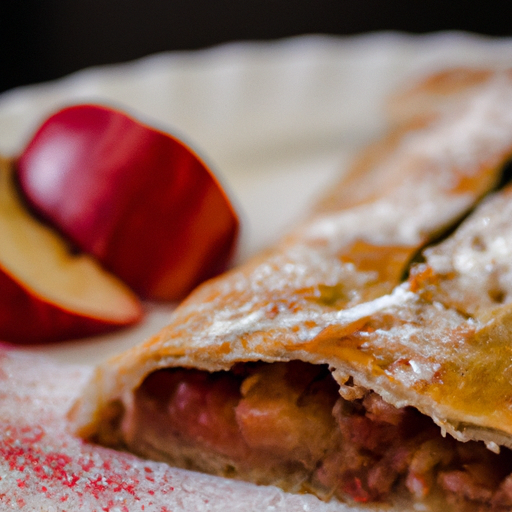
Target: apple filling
<point>286,423</point>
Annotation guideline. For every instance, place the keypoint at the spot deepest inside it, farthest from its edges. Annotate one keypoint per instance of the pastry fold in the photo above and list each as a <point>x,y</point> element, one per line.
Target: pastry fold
<point>367,355</point>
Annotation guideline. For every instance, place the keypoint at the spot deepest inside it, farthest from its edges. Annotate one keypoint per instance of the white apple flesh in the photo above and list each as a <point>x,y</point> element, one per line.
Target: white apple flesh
<point>48,292</point>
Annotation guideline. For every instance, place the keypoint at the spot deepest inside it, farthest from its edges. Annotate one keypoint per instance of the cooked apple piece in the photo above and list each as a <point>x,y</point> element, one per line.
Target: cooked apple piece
<point>286,422</point>
<point>47,291</point>
<point>286,408</point>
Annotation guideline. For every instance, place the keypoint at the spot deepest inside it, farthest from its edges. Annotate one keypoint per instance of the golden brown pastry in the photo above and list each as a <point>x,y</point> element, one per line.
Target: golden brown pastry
<point>315,367</point>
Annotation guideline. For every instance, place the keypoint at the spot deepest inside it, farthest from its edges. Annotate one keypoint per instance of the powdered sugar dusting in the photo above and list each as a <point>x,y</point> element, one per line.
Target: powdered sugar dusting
<point>423,175</point>
<point>44,467</point>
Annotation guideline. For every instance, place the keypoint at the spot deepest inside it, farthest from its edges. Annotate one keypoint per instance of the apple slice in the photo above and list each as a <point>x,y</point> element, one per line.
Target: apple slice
<point>138,199</point>
<point>48,293</point>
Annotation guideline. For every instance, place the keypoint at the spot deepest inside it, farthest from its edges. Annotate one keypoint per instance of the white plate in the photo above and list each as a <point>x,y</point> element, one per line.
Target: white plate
<point>277,121</point>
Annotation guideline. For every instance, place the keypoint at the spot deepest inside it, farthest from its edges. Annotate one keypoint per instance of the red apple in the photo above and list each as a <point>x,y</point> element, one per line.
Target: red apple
<point>138,199</point>
<point>47,292</point>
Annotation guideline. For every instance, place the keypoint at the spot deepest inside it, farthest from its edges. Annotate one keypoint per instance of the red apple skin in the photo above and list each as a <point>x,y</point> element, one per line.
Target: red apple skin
<point>48,293</point>
<point>26,318</point>
<point>136,198</point>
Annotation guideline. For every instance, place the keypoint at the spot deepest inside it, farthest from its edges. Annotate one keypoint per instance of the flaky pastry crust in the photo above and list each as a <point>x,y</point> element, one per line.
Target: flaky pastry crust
<point>333,291</point>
